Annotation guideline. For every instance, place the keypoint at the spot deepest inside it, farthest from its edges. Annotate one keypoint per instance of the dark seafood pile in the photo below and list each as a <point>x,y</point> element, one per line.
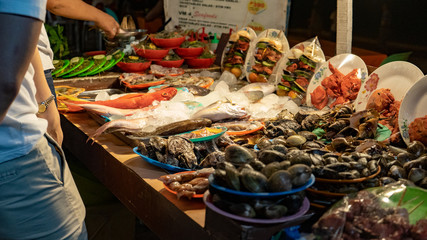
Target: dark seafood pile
<point>188,184</point>
<point>363,217</point>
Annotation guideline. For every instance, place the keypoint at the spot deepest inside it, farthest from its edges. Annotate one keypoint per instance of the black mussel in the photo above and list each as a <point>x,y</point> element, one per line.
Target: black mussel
<point>309,136</point>
<point>220,202</point>
<point>328,173</point>
<point>243,210</point>
<point>392,163</point>
<point>405,157</point>
<point>331,154</point>
<point>232,177</point>
<point>423,183</point>
<point>290,124</point>
<point>316,159</point>
<point>248,145</point>
<point>295,141</point>
<point>270,168</point>
<point>238,155</point>
<point>346,157</point>
<point>373,166</point>
<point>340,144</point>
<point>417,174</point>
<point>397,172</point>
<point>263,143</point>
<point>386,180</point>
<point>300,174</point>
<point>348,189</point>
<point>268,156</point>
<point>257,165</point>
<point>365,172</point>
<point>279,148</point>
<point>259,204</point>
<point>287,133</point>
<point>339,166</point>
<point>274,211</point>
<point>363,161</point>
<point>330,160</point>
<point>299,157</point>
<point>420,162</point>
<point>345,175</point>
<point>279,141</point>
<point>280,181</point>
<point>356,165</point>
<point>355,173</point>
<point>373,182</point>
<point>285,164</point>
<point>416,147</point>
<point>159,144</point>
<point>357,155</point>
<point>253,181</point>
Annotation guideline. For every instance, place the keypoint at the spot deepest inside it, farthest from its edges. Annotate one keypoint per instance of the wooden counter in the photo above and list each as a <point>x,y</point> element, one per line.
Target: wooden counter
<point>135,183</point>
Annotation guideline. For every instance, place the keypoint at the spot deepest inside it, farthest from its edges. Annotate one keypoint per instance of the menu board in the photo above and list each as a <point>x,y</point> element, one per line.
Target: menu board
<point>219,16</point>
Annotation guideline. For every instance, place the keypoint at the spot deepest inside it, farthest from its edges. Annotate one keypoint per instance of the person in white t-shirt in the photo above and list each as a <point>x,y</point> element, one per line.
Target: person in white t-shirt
<point>38,196</point>
<point>74,9</point>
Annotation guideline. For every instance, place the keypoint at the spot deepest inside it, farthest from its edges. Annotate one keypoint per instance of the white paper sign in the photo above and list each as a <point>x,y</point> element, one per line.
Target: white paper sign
<point>219,16</point>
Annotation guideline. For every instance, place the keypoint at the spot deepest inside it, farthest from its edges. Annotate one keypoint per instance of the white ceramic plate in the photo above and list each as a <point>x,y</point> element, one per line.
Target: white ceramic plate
<point>345,63</point>
<point>250,58</point>
<point>227,49</point>
<point>414,105</point>
<point>398,76</point>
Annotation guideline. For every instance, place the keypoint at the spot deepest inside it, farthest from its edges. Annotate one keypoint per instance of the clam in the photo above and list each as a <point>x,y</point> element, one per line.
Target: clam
<point>270,168</point>
<point>312,145</point>
<point>397,172</point>
<point>246,165</point>
<point>386,180</point>
<point>278,141</point>
<point>279,148</point>
<point>232,177</point>
<point>416,147</point>
<point>288,132</point>
<point>280,181</point>
<point>311,122</point>
<point>405,157</point>
<point>338,125</point>
<point>285,164</point>
<point>268,156</point>
<point>238,155</point>
<point>298,156</point>
<point>295,140</point>
<point>257,165</point>
<point>242,209</point>
<point>253,181</point>
<point>300,174</point>
<point>423,183</point>
<point>309,136</point>
<point>264,143</point>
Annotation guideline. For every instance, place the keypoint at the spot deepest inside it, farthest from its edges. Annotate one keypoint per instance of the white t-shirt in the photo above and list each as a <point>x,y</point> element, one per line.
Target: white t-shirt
<point>46,53</point>
<point>21,129</point>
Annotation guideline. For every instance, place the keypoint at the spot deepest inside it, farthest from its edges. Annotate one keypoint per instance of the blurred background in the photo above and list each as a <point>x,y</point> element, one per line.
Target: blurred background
<point>385,26</point>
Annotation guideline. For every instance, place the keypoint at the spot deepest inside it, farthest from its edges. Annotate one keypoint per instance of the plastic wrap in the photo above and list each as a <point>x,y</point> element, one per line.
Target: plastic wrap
<point>392,212</point>
<point>297,68</point>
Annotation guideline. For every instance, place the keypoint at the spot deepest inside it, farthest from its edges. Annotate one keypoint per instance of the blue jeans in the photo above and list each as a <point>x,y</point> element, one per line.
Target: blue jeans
<point>38,196</point>
<point>49,79</point>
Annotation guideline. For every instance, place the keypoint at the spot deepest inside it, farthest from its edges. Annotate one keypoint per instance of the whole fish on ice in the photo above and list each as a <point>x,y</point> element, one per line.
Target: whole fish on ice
<point>256,91</point>
<point>220,110</point>
<point>136,100</point>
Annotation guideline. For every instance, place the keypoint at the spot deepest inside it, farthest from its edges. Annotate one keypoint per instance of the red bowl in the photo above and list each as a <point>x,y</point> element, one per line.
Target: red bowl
<point>200,62</point>
<point>134,67</point>
<point>188,53</point>
<point>170,64</point>
<point>151,54</point>
<point>168,42</point>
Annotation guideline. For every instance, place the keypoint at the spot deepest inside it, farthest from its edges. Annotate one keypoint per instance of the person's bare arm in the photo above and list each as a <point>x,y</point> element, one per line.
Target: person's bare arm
<point>43,92</point>
<point>79,10</point>
<point>17,50</point>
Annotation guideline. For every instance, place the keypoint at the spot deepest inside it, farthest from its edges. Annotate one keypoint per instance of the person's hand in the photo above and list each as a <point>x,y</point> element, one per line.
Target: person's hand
<point>53,123</point>
<point>108,24</point>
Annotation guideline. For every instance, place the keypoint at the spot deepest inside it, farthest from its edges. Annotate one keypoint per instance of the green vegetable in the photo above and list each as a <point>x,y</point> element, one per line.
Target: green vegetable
<point>283,87</point>
<point>207,54</point>
<point>262,45</point>
<point>192,44</point>
<point>58,42</point>
<point>307,61</point>
<point>267,64</point>
<point>288,78</point>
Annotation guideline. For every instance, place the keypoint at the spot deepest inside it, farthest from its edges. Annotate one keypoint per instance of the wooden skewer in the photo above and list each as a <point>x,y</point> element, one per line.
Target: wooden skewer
<point>401,197</point>
<point>415,207</point>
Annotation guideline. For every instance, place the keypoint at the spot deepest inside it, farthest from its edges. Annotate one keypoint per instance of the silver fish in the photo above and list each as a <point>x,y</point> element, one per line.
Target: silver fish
<point>221,110</point>
<point>265,88</point>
